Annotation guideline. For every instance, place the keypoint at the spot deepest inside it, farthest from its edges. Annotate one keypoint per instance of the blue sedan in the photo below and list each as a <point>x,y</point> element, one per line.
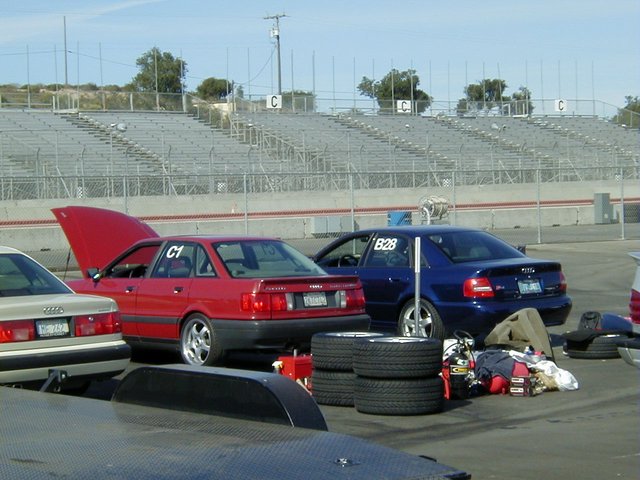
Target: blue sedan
<point>469,279</point>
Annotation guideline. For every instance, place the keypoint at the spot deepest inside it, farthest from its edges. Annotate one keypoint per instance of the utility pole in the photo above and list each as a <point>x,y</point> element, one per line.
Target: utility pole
<point>64,24</point>
<point>275,32</point>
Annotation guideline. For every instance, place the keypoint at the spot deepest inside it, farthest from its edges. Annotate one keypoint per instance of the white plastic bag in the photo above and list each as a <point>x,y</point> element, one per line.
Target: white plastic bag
<point>564,379</point>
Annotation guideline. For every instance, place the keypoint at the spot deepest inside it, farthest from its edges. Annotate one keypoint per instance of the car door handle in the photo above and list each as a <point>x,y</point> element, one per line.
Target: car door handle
<point>177,289</point>
<point>129,289</point>
<point>394,280</point>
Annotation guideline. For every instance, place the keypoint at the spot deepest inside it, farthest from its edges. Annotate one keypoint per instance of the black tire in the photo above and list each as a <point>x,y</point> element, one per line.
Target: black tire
<point>600,347</point>
<point>430,324</point>
<point>415,396</point>
<point>334,350</point>
<point>333,388</point>
<point>397,357</point>
<point>198,342</point>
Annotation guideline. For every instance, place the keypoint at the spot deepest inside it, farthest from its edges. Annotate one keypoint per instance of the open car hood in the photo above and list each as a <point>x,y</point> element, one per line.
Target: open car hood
<point>97,235</point>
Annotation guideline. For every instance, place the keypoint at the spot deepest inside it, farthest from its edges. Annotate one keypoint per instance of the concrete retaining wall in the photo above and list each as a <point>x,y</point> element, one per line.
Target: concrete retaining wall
<point>30,225</point>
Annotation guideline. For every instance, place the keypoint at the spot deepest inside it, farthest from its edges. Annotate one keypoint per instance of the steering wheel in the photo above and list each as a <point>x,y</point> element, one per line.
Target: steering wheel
<point>347,261</point>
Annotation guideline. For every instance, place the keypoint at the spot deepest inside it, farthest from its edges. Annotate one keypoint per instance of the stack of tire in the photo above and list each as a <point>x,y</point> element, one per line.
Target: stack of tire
<point>592,345</point>
<point>398,375</point>
<point>332,377</point>
<point>592,341</point>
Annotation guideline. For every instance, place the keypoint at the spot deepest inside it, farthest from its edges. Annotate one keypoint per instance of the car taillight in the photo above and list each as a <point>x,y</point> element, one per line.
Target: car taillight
<point>477,288</point>
<point>265,302</point>
<point>563,283</point>
<point>355,298</point>
<point>17,331</point>
<point>634,306</point>
<point>97,324</point>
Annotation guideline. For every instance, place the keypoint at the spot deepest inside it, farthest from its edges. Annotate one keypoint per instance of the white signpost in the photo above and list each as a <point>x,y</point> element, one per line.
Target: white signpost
<point>403,106</point>
<point>560,105</point>
<point>274,101</point>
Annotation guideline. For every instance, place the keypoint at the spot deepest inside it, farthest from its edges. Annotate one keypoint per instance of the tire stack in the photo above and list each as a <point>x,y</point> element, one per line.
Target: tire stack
<point>599,347</point>
<point>332,377</point>
<point>398,375</point>
<point>595,340</point>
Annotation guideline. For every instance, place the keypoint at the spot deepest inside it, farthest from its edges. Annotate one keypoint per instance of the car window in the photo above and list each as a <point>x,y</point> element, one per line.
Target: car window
<point>204,267</point>
<point>264,259</point>
<point>19,275</point>
<point>175,261</point>
<point>470,246</point>
<point>134,264</point>
<point>389,251</point>
<point>345,254</point>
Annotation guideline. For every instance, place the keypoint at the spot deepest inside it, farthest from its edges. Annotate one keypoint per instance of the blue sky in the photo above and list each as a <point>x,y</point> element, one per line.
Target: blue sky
<point>584,49</point>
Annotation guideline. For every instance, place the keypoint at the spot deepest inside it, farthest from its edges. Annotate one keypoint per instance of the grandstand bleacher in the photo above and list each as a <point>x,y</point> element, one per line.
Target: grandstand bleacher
<point>270,142</point>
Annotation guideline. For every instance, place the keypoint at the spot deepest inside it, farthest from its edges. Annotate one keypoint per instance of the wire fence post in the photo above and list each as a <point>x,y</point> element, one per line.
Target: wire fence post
<point>538,206</point>
<point>246,204</point>
<point>622,205</point>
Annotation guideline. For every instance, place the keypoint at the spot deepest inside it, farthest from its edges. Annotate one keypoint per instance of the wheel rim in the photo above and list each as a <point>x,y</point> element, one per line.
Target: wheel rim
<point>425,322</point>
<point>196,342</point>
<point>354,334</point>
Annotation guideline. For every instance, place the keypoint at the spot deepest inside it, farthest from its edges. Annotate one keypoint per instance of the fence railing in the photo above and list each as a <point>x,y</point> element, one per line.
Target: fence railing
<point>43,187</point>
<point>86,100</point>
<point>312,208</point>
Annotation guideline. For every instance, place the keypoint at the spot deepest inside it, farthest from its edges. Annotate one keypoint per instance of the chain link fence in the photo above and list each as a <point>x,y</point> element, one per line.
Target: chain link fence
<point>310,209</point>
<point>69,98</point>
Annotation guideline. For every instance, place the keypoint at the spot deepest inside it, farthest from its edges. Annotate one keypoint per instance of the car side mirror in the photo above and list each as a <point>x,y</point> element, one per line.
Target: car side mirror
<point>93,274</point>
<point>522,249</point>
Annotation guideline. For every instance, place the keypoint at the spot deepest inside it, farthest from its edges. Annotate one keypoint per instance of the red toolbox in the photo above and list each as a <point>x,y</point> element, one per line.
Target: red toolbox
<point>296,367</point>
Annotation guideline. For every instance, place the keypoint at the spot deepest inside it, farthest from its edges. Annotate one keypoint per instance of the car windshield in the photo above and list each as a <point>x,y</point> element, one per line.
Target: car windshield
<point>264,259</point>
<point>20,275</point>
<point>473,246</point>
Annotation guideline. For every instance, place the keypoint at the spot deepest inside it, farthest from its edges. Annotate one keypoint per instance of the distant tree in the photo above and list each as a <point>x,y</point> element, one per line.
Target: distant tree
<point>396,85</point>
<point>489,94</point>
<point>214,89</point>
<point>303,101</point>
<point>630,114</point>
<point>159,69</point>
<point>484,95</point>
<point>520,103</point>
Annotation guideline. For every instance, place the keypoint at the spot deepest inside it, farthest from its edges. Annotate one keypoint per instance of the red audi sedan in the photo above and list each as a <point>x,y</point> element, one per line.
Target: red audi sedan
<point>207,295</point>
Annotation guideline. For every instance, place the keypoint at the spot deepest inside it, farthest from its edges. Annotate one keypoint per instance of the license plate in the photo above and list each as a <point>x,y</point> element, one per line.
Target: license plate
<point>55,327</point>
<point>529,286</point>
<point>314,299</point>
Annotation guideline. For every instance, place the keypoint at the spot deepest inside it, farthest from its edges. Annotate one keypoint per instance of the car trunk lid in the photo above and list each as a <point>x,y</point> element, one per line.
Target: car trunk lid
<point>300,297</point>
<point>528,278</point>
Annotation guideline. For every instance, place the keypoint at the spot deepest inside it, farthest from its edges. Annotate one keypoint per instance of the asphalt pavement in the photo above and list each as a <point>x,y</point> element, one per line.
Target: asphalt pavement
<point>590,433</point>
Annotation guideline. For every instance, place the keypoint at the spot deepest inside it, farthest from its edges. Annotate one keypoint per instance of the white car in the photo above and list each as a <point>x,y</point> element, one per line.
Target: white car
<point>46,328</point>
<point>630,349</point>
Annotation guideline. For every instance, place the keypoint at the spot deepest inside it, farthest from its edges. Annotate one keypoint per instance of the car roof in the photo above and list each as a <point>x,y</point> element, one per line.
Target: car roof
<point>4,249</point>
<point>216,238</point>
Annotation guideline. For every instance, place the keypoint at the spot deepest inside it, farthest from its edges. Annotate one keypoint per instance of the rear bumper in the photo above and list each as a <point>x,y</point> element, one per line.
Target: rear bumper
<point>276,334</point>
<point>629,350</point>
<point>89,362</point>
<point>481,318</point>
